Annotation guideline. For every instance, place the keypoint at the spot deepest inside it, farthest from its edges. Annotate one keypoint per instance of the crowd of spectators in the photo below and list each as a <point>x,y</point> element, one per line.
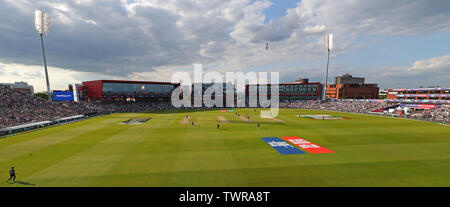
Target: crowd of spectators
<point>134,106</point>
<point>17,108</point>
<point>344,106</point>
<point>439,114</point>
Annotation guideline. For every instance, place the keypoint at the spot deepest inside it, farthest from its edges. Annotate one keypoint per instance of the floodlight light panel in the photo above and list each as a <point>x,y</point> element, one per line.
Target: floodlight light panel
<point>46,23</point>
<point>330,41</point>
<point>38,21</point>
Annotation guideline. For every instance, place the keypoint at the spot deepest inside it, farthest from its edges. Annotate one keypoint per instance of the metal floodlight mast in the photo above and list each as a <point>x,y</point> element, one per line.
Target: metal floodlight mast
<point>329,45</point>
<point>42,25</point>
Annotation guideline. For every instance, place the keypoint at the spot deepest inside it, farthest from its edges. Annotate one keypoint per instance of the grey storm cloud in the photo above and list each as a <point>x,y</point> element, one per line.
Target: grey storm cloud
<point>381,16</point>
<point>105,37</point>
<point>372,17</point>
<point>114,38</point>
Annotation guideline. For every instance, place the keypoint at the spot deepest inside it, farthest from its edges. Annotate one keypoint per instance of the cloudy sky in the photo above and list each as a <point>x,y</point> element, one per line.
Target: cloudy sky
<point>395,43</point>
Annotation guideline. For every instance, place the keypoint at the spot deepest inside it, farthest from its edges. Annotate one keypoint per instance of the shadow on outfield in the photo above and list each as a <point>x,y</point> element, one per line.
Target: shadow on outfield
<point>24,183</point>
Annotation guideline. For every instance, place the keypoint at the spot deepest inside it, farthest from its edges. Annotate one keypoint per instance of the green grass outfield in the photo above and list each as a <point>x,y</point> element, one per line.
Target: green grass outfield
<point>370,151</point>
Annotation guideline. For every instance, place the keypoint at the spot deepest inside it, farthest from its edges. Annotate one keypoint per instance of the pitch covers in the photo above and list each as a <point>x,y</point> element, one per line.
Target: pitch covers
<point>307,145</point>
<point>281,146</point>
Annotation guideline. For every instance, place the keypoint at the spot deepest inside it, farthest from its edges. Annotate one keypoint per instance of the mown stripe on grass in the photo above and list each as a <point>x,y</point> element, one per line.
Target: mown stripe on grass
<point>93,160</point>
<point>144,156</point>
<point>193,154</point>
<point>48,137</point>
<point>49,155</point>
<point>381,174</point>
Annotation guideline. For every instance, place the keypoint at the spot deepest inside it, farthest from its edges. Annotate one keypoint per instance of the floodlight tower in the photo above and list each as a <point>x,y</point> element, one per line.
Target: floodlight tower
<point>42,25</point>
<point>329,45</point>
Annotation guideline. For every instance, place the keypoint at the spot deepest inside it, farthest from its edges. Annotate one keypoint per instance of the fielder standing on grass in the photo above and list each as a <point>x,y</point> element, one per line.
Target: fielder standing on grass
<point>12,174</point>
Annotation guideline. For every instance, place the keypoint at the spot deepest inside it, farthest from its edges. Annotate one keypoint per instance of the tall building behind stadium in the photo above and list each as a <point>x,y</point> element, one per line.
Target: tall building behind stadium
<point>20,86</point>
<point>349,87</point>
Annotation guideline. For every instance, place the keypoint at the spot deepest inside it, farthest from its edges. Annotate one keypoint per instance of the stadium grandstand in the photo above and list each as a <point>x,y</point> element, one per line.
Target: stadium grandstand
<point>301,90</point>
<point>24,111</point>
<point>426,112</point>
<point>113,90</point>
<point>20,86</point>
<point>21,108</point>
<point>431,93</point>
<point>199,89</point>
